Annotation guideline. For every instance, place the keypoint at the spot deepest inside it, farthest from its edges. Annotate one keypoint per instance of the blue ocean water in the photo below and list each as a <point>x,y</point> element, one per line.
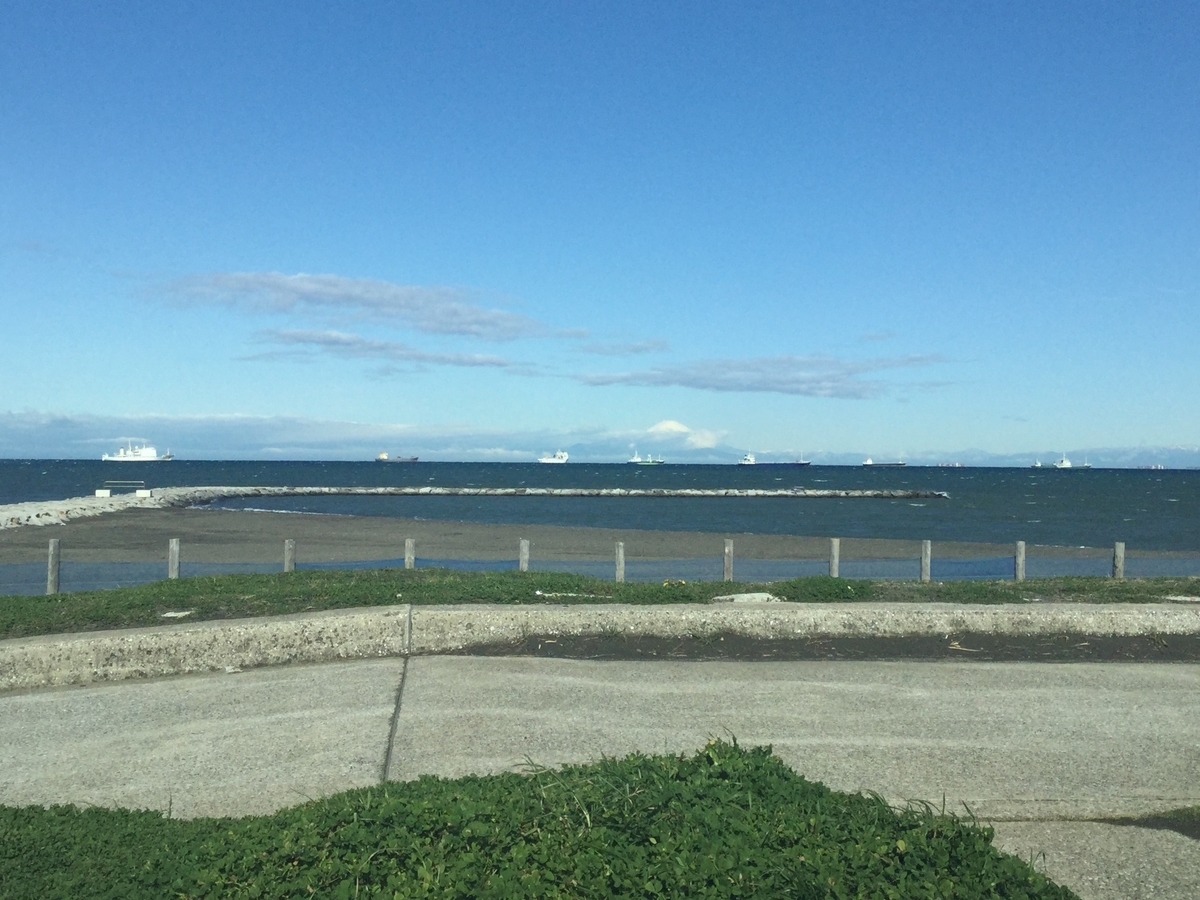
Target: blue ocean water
<point>1148,509</point>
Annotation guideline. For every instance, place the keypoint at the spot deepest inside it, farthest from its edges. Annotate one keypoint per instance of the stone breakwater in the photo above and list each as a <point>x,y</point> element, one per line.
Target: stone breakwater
<point>56,512</point>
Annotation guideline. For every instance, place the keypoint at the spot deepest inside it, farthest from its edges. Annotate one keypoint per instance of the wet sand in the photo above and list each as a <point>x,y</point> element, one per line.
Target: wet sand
<point>235,536</point>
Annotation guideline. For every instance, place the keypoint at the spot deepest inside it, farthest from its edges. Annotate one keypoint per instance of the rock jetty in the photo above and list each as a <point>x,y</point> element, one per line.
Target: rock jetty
<point>57,512</point>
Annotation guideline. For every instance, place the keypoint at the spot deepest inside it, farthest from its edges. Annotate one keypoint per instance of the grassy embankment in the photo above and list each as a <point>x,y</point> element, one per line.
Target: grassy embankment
<point>724,823</point>
<point>235,596</point>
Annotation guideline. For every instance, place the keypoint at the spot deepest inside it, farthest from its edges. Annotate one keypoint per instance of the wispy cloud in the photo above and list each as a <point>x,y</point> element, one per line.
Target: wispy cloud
<point>430,309</point>
<point>807,376</point>
<point>632,349</point>
<point>355,346</point>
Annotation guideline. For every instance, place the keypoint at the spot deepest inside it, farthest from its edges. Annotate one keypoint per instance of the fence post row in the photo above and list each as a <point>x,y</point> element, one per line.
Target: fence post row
<point>52,561</point>
<point>173,558</point>
<point>289,555</point>
<point>728,573</point>
<point>523,556</point>
<point>835,555</point>
<point>1019,562</point>
<point>926,559</point>
<point>410,553</point>
<point>620,562</point>
<point>1118,569</point>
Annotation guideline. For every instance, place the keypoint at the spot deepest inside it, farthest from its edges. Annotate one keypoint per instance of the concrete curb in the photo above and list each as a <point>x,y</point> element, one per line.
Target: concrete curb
<point>223,645</point>
<point>403,630</point>
<point>441,629</point>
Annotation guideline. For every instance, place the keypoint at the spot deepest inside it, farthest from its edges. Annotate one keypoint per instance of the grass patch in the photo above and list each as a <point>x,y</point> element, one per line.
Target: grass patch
<point>238,596</point>
<point>724,823</point>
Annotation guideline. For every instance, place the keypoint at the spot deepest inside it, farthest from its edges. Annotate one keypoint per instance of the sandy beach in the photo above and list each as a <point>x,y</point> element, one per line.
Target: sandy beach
<point>230,536</point>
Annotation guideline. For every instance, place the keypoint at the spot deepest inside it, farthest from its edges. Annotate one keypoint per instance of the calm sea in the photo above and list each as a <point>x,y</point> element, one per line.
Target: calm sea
<point>1148,509</point>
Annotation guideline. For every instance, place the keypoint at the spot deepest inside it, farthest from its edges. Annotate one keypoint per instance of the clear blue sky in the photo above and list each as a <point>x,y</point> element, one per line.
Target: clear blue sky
<point>487,231</point>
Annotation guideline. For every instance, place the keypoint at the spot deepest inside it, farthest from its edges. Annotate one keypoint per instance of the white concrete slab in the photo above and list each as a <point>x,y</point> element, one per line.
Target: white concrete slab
<point>202,745</point>
<point>1010,740</point>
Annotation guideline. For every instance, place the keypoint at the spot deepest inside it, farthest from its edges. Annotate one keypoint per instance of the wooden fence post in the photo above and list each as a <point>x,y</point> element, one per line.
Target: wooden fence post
<point>835,553</point>
<point>1118,560</point>
<point>620,562</point>
<point>410,553</point>
<point>173,558</point>
<point>523,556</point>
<point>1019,562</point>
<point>728,574</point>
<point>289,555</point>
<point>52,562</point>
<point>926,559</point>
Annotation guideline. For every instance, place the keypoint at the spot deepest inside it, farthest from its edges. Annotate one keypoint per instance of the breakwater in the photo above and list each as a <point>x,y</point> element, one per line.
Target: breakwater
<point>56,512</point>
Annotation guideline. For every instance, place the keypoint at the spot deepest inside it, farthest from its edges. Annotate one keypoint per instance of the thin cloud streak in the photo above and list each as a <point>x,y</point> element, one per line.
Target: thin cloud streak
<point>355,346</point>
<point>430,309</point>
<point>805,376</point>
<point>632,349</point>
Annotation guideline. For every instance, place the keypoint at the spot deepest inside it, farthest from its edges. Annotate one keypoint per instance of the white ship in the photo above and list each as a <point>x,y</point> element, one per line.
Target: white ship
<point>748,460</point>
<point>650,460</point>
<point>1065,463</point>
<point>130,453</point>
<point>559,457</point>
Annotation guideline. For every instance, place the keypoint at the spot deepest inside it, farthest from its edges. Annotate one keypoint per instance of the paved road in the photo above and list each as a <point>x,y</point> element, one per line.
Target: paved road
<point>1031,746</point>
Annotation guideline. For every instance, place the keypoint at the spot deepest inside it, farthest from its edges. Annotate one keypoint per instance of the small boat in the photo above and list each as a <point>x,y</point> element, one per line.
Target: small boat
<point>130,453</point>
<point>383,457</point>
<point>870,463</point>
<point>748,460</point>
<point>558,457</point>
<point>1037,464</point>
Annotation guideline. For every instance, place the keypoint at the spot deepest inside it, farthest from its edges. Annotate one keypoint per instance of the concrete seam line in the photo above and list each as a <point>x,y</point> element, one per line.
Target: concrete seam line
<point>387,755</point>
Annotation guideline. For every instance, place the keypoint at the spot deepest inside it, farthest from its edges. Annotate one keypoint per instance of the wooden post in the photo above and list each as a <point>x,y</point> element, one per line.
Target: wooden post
<point>289,555</point>
<point>926,558</point>
<point>523,556</point>
<point>1119,559</point>
<point>173,558</point>
<point>52,567</point>
<point>620,562</point>
<point>835,553</point>
<point>728,560</point>
<point>1019,562</point>
<point>410,553</point>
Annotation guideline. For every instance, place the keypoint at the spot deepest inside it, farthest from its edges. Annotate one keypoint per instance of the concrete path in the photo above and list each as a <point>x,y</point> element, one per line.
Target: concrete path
<point>1030,745</point>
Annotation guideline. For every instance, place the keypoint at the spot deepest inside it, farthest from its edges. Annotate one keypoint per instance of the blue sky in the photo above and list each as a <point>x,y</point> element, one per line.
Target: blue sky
<point>487,231</point>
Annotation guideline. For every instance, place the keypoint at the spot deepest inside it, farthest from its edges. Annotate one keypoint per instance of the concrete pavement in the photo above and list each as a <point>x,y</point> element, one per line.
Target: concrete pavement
<point>1033,746</point>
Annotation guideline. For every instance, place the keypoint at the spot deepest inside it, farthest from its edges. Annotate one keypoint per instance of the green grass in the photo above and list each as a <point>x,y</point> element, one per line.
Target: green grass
<point>725,823</point>
<point>235,596</point>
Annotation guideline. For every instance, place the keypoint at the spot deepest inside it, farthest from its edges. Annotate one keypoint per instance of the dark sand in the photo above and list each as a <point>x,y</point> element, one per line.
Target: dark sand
<point>232,536</point>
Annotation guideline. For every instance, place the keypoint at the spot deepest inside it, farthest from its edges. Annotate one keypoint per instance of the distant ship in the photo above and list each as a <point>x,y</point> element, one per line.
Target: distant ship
<point>637,460</point>
<point>748,460</point>
<point>559,457</point>
<point>1065,463</point>
<point>871,463</point>
<point>383,457</point>
<point>130,453</point>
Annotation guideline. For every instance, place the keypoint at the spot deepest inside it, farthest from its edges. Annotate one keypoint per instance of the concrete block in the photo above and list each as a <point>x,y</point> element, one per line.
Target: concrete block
<point>103,492</point>
<point>144,492</point>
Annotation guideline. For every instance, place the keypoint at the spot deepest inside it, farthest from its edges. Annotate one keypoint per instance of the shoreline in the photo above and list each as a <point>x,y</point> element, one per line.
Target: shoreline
<point>136,533</point>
